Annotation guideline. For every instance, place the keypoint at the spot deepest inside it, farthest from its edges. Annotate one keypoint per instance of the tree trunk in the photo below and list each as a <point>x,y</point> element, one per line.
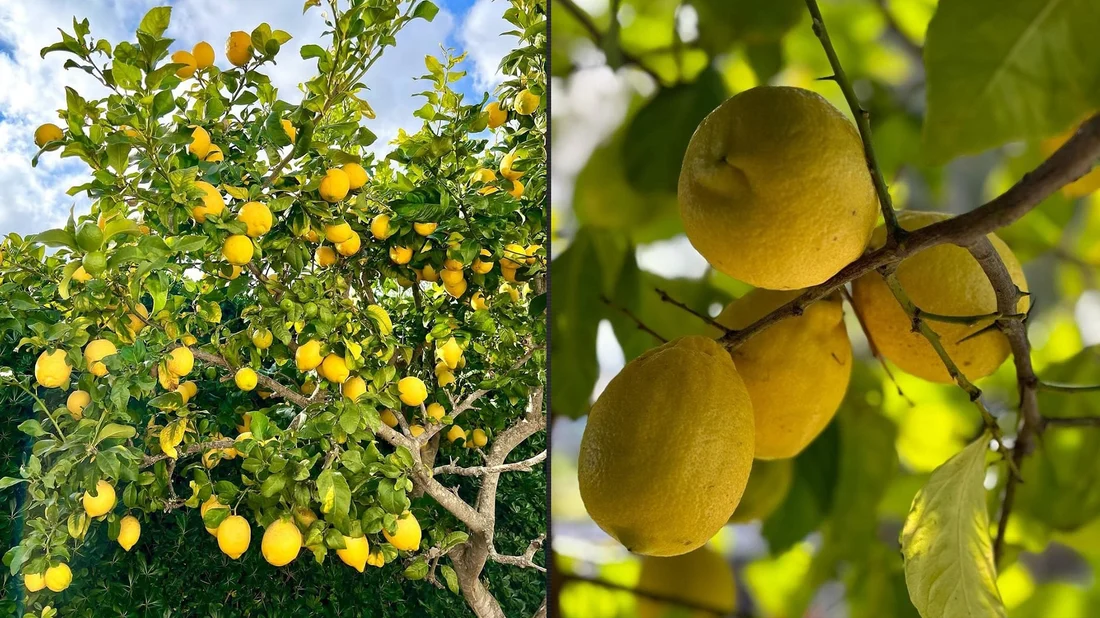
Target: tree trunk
<point>477,596</point>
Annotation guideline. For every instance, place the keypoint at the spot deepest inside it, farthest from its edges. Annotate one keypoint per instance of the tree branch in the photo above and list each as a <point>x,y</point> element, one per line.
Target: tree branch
<point>1070,421</point>
<point>638,321</point>
<point>531,423</point>
<point>666,297</point>
<point>263,380</point>
<point>197,447</point>
<point>585,20</point>
<point>524,561</point>
<point>715,612</point>
<point>519,466</point>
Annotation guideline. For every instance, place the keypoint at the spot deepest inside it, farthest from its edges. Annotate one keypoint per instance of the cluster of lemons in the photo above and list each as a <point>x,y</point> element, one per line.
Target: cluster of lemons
<point>774,191</point>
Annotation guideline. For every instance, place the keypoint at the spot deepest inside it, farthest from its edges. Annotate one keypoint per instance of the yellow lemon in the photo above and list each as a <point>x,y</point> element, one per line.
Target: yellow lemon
<point>357,176</point>
<point>480,438</point>
<point>451,353</point>
<point>456,290</point>
<point>185,58</point>
<point>52,369</point>
<point>506,164</point>
<point>451,277</point>
<point>58,577</point>
<point>212,202</point>
<point>238,249</point>
<point>649,499</point>
<point>424,229</point>
<point>234,535</point>
<point>480,266</point>
<point>452,264</point>
<point>238,47</point>
<point>445,378</point>
<point>427,274</point>
<point>188,390</point>
<point>180,361</point>
<point>412,391</point>
<point>700,578</point>
<point>77,401</point>
<point>325,256</point>
<point>137,319</point>
<point>354,388</point>
<point>483,175</point>
<point>514,256</point>
<point>380,227</point>
<point>47,133</point>
<point>456,433</point>
<point>497,115</point>
<point>944,280</point>
<point>281,543</point>
<point>355,552</point>
<point>308,356</point>
<point>526,103</point>
<point>338,232</point>
<point>350,246</point>
<point>211,503</point>
<point>407,537</point>
<point>95,352</point>
<point>517,189</point>
<point>199,146</point>
<point>390,419</point>
<point>289,129</point>
<point>532,254</point>
<point>245,378</point>
<point>334,369</point>
<point>256,217</point>
<point>129,532</point>
<point>1084,185</point>
<point>767,488</point>
<point>262,338</point>
<point>376,559</point>
<point>102,502</point>
<point>34,581</point>
<point>214,155</point>
<point>334,186</point>
<point>80,275</point>
<point>774,189</point>
<point>435,412</point>
<point>204,55</point>
<point>796,372</point>
<point>414,430</point>
<point>400,254</point>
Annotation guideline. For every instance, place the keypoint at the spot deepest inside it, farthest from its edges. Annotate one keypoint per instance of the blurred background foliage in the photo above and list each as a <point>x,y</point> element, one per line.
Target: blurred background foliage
<point>964,96</point>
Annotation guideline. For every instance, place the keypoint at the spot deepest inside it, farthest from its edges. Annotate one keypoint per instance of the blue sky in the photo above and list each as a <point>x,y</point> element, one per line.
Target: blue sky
<point>33,199</point>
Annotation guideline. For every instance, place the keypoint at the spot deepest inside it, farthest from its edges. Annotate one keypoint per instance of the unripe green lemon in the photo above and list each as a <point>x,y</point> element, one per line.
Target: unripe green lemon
<point>774,189</point>
<point>667,449</point>
<point>94,262</point>
<point>89,237</point>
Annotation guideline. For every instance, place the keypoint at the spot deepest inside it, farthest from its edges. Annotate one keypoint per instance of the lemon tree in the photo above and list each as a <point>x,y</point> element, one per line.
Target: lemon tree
<point>267,323</point>
<point>910,329</point>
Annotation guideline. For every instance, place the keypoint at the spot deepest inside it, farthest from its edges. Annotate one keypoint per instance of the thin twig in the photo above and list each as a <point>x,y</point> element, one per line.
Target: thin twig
<point>633,318</point>
<point>665,297</point>
<point>597,37</point>
<point>525,466</point>
<point>197,447</point>
<point>653,596</point>
<point>874,348</point>
<point>1068,388</point>
<point>1075,421</point>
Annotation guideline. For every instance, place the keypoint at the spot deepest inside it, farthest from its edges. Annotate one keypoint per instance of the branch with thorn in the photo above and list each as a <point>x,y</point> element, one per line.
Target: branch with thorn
<point>525,560</point>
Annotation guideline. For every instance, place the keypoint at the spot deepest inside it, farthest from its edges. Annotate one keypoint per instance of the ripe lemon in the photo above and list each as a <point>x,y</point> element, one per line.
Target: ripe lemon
<point>204,55</point>
<point>412,391</point>
<point>238,48</point>
<point>768,486</point>
<point>424,229</point>
<point>526,103</point>
<point>480,438</point>
<point>129,532</point>
<point>262,338</point>
<point>234,535</point>
<point>400,254</point>
<point>506,164</point>
<point>350,246</point>
<point>532,254</point>
<point>357,176</point>
<point>289,129</point>
<point>452,264</point>
<point>483,175</point>
<point>180,361</point>
<point>214,154</point>
<point>456,433</point>
<point>47,133</point>
<point>80,275</point>
<point>390,419</point>
<point>338,232</point>
<point>407,537</point>
<point>199,146</point>
<point>480,266</point>
<point>435,412</point>
<point>427,274</point>
<point>245,378</point>
<point>137,319</point>
<point>308,356</point>
<point>380,227</point>
<point>334,369</point>
<point>1084,185</point>
<point>187,390</point>
<point>702,577</point>
<point>256,217</point>
<point>514,257</point>
<point>185,58</point>
<point>774,189</point>
<point>325,256</point>
<point>376,559</point>
<point>451,277</point>
<point>34,581</point>
<point>77,401</point>
<point>456,290</point>
<point>945,280</point>
<point>477,301</point>
<point>94,352</point>
<point>58,577</point>
<point>414,430</point>
<point>353,388</point>
<point>334,186</point>
<point>355,552</point>
<point>497,115</point>
<point>796,372</point>
<point>168,381</point>
<point>517,189</point>
<point>451,353</point>
<point>52,369</point>
<point>212,202</point>
<point>102,502</point>
<point>281,543</point>
<point>238,249</point>
<point>211,503</point>
<point>667,450</point>
<point>305,517</point>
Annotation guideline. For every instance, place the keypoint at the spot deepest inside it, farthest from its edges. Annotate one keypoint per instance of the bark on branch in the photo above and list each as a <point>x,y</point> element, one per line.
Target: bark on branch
<point>525,560</point>
<point>525,466</point>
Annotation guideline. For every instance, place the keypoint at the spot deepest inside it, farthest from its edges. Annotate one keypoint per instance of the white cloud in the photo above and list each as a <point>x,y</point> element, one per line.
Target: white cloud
<point>480,37</point>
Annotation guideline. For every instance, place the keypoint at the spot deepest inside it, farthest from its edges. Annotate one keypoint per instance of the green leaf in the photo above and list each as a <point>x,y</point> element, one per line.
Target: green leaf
<point>333,493</point>
<point>9,481</point>
<point>946,544</point>
<point>118,155</point>
<point>576,286</point>
<point>163,103</point>
<point>1025,73</point>
<point>156,21</point>
<point>723,23</point>
<point>127,77</point>
<point>114,430</point>
<point>272,485</point>
<point>656,139</point>
<point>32,428</point>
<point>54,238</point>
<point>450,577</point>
<point>392,500</point>
<point>810,498</point>
<point>417,570</point>
<point>425,10</point>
